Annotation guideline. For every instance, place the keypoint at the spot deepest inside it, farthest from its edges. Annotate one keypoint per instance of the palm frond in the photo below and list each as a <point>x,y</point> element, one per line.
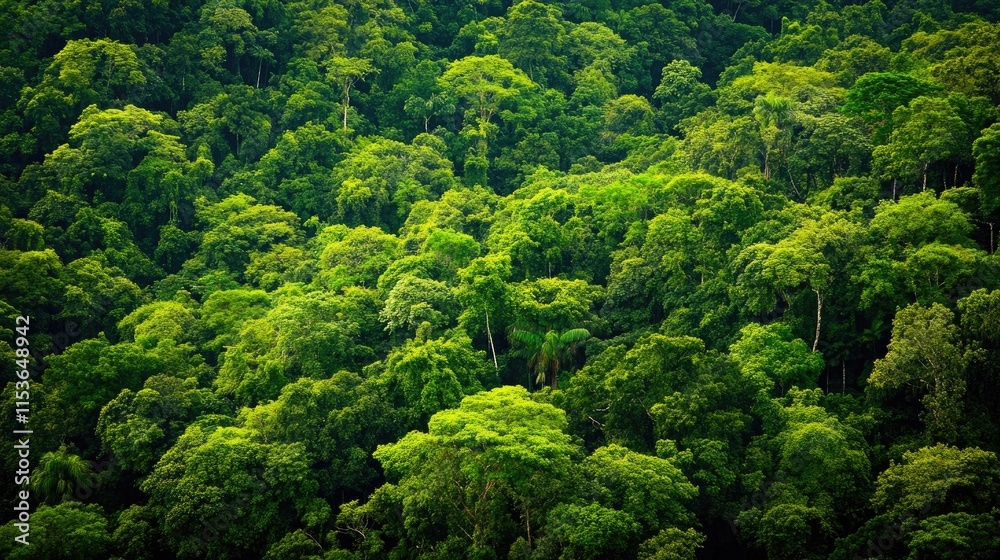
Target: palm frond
<point>527,338</point>
<point>573,336</point>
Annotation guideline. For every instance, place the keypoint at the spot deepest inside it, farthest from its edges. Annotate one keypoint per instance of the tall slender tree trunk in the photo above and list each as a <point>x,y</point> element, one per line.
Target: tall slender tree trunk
<point>792,181</point>
<point>925,176</point>
<point>819,317</point>
<point>527,524</point>
<point>347,103</point>
<point>489,334</point>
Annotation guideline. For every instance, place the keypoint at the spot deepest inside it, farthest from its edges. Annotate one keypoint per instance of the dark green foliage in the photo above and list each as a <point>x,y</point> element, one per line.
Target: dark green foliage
<point>441,280</point>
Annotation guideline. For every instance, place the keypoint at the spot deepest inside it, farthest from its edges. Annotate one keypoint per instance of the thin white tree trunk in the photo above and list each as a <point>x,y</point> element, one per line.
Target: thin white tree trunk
<point>489,334</point>
<point>347,103</point>
<point>819,317</point>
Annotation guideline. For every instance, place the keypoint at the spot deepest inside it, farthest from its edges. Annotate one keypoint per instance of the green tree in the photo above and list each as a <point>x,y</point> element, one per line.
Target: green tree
<point>532,38</point>
<point>484,292</point>
<point>587,532</point>
<point>296,172</point>
<point>345,72</point>
<point>925,350</point>
<point>773,112</point>
<point>429,375</point>
<point>874,98</point>
<point>23,235</point>
<point>223,313</point>
<point>486,86</point>
<point>98,295</point>
<point>305,334</point>
<point>590,42</point>
<point>807,258</point>
<point>830,147</point>
<point>546,354</point>
<point>681,93</point>
<point>856,56</point>
<point>340,420</point>
<point>414,301</point>
<point>937,480</point>
<point>659,35</point>
<point>88,374</point>
<point>819,464</point>
<point>652,490</point>
<point>322,30</point>
<point>628,114</point>
<point>769,354</point>
<point>356,256</point>
<point>378,183</point>
<point>222,492</point>
<point>233,42</point>
<point>634,395</point>
<point>953,536</point>
<point>971,68</point>
<point>489,471</point>
<point>426,109</point>
<point>31,281</point>
<point>139,426</point>
<point>238,226</point>
<point>129,156</point>
<point>59,475</point>
<point>926,131</point>
<point>85,72</point>
<point>986,151</point>
<point>555,304</point>
<point>235,121</point>
<point>67,530</point>
<point>672,544</point>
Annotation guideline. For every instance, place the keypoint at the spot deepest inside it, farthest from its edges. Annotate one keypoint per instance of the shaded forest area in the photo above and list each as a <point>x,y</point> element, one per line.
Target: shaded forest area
<point>593,279</point>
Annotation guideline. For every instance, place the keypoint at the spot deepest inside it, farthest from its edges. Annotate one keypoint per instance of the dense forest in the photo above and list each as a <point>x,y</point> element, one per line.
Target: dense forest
<point>449,279</point>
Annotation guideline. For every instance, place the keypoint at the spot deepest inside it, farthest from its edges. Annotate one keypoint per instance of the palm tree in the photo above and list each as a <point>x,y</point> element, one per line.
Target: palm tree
<point>772,112</point>
<point>546,353</point>
<point>58,475</point>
